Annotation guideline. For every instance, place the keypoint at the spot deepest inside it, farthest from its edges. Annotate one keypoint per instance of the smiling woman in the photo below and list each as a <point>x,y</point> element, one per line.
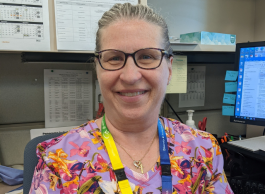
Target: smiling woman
<point>148,82</point>
<point>131,149</point>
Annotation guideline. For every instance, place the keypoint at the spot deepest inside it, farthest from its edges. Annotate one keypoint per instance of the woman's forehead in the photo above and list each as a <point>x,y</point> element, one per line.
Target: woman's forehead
<point>131,34</point>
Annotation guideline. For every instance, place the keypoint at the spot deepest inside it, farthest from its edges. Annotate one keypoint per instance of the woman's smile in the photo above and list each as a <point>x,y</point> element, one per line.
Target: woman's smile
<point>132,97</point>
<point>131,94</point>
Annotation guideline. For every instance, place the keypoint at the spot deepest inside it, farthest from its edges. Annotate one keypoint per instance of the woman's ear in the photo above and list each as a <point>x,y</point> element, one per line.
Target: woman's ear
<point>170,69</point>
<point>95,61</point>
<point>95,65</point>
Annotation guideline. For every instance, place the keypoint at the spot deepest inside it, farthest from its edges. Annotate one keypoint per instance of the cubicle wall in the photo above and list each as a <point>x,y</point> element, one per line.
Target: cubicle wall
<point>22,87</point>
<point>259,20</point>
<point>22,102</point>
<point>223,16</point>
<point>212,109</point>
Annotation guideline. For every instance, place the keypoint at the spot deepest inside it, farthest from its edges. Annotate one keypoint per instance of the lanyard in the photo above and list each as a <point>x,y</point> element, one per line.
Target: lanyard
<point>119,169</point>
<point>115,158</point>
<point>164,160</point>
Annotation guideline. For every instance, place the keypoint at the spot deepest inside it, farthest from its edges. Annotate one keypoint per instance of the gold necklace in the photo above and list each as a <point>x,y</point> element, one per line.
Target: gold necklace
<point>138,164</point>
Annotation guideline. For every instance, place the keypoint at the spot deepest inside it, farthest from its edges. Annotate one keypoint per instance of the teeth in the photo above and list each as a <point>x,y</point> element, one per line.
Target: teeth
<point>132,94</point>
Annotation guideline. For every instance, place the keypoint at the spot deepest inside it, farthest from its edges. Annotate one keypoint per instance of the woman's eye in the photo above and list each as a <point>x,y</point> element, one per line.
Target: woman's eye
<point>115,59</point>
<point>146,57</point>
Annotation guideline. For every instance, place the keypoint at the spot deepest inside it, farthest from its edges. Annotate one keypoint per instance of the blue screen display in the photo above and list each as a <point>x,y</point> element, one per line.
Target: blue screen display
<point>250,98</point>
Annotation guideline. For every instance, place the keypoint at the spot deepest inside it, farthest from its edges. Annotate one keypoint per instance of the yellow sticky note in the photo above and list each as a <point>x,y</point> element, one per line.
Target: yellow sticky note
<point>178,83</point>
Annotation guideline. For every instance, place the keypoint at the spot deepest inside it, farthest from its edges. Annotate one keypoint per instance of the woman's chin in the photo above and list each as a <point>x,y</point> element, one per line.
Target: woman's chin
<point>133,115</point>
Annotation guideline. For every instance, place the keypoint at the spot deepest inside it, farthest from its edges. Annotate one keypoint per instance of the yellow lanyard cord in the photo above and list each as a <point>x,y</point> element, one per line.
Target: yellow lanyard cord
<point>115,159</point>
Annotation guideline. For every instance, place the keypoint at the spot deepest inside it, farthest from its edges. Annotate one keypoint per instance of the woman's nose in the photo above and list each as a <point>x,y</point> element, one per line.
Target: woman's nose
<point>130,72</point>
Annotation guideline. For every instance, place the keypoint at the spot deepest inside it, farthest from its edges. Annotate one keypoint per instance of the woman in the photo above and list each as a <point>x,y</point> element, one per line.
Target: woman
<point>131,149</point>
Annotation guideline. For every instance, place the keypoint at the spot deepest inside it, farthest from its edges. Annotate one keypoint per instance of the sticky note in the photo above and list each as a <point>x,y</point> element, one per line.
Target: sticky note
<point>228,110</point>
<point>178,82</point>
<point>230,86</point>
<point>231,75</point>
<point>229,98</point>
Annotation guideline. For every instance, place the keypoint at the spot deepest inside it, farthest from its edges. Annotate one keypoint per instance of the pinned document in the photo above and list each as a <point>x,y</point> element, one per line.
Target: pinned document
<point>76,22</point>
<point>231,75</point>
<point>178,82</point>
<point>24,25</point>
<point>68,96</point>
<point>228,110</point>
<point>229,98</point>
<point>230,86</point>
<point>195,95</point>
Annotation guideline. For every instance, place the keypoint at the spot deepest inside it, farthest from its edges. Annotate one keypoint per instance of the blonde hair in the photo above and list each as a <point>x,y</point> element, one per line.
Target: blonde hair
<point>129,11</point>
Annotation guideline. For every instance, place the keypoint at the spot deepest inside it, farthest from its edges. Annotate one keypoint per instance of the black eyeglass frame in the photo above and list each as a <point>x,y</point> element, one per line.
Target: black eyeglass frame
<point>163,52</point>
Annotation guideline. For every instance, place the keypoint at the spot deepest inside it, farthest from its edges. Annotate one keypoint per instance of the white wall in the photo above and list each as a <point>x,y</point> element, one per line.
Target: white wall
<point>223,16</point>
<point>259,34</point>
<point>144,2</point>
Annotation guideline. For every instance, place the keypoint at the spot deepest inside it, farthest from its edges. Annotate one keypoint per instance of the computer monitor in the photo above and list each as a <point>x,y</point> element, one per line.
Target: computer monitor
<point>250,95</point>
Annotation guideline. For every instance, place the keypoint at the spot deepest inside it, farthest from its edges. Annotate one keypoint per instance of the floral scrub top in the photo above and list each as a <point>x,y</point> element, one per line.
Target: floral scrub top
<point>77,162</point>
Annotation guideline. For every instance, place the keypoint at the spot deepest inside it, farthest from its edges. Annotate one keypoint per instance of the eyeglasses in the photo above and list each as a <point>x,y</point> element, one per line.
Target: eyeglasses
<point>148,58</point>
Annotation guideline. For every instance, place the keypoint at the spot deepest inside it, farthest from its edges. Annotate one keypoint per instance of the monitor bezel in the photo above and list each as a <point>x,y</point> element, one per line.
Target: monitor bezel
<point>237,57</point>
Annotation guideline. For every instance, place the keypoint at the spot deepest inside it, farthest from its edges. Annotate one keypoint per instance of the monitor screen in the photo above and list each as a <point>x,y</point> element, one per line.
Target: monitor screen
<point>250,95</point>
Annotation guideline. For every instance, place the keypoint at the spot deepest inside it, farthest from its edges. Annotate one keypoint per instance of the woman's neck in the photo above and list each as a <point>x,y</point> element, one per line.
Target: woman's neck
<point>132,135</point>
<point>139,142</point>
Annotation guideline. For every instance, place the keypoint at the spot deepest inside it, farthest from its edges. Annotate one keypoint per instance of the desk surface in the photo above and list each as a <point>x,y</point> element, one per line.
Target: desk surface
<point>259,155</point>
<point>4,188</point>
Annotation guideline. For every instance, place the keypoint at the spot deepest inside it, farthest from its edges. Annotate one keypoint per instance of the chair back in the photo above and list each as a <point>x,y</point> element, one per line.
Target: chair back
<point>31,160</point>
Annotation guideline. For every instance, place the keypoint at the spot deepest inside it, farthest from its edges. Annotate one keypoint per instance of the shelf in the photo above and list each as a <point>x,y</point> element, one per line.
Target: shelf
<point>52,51</point>
<point>192,57</point>
<point>184,43</point>
<point>207,57</point>
<point>200,47</point>
<point>176,46</point>
<point>56,57</point>
<point>196,53</point>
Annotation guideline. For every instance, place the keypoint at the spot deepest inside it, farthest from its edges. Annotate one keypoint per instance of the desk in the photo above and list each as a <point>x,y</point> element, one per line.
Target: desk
<point>4,188</point>
<point>246,169</point>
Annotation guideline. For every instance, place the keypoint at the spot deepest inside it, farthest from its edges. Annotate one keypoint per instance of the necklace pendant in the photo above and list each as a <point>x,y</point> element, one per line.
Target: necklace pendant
<point>139,165</point>
<point>142,169</point>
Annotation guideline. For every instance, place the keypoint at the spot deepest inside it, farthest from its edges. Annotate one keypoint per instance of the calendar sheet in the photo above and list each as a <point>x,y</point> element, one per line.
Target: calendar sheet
<point>24,25</point>
<point>68,96</point>
<point>195,95</point>
<point>76,22</point>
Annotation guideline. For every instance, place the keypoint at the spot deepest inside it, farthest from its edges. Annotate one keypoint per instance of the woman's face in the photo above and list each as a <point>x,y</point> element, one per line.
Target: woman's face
<point>132,92</point>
